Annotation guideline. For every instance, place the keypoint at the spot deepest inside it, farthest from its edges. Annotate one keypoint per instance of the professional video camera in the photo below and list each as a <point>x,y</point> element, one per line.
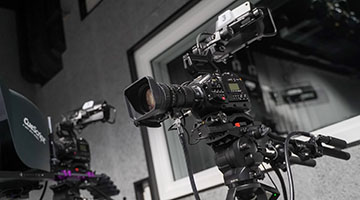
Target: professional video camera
<point>71,155</point>
<point>25,154</point>
<point>220,103</point>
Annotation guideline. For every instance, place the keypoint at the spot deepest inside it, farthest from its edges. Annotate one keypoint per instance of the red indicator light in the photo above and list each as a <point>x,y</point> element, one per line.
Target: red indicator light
<point>223,98</point>
<point>237,124</point>
<point>76,169</point>
<point>74,152</point>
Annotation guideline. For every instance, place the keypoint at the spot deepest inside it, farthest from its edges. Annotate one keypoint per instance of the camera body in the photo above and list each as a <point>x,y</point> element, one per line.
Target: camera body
<point>224,92</point>
<point>208,93</point>
<point>72,153</point>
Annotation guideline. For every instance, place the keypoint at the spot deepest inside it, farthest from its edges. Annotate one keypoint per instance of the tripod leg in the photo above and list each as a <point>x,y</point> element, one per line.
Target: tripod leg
<point>231,194</point>
<point>65,192</point>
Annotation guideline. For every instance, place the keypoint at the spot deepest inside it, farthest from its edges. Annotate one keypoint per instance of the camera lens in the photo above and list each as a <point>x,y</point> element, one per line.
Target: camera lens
<point>144,99</point>
<point>150,99</point>
<point>150,102</point>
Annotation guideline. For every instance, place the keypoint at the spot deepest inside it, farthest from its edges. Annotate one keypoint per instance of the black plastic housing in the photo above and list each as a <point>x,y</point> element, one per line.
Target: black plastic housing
<point>24,143</point>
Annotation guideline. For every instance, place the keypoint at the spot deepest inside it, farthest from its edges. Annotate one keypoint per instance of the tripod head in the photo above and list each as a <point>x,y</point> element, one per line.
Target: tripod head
<point>241,145</point>
<point>238,143</point>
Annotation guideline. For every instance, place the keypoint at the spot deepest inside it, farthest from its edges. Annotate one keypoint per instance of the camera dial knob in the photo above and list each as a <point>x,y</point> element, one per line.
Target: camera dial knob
<point>223,117</point>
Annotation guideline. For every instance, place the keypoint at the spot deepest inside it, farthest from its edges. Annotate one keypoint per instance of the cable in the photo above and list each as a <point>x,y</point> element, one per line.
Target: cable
<point>188,137</point>
<point>44,190</point>
<point>266,171</point>
<point>189,167</point>
<point>183,118</point>
<point>282,182</point>
<point>188,163</point>
<point>186,131</point>
<point>287,162</point>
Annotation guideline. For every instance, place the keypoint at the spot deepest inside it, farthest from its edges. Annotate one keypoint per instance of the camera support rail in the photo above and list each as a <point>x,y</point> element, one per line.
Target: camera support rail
<point>100,186</point>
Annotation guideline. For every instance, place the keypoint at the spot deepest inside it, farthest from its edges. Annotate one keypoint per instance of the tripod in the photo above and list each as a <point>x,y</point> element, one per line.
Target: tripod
<point>237,142</point>
<point>66,190</point>
<point>239,164</point>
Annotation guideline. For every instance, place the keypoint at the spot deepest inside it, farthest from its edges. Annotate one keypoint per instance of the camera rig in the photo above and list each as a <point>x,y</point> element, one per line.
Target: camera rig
<point>70,154</point>
<point>27,161</point>
<point>220,103</point>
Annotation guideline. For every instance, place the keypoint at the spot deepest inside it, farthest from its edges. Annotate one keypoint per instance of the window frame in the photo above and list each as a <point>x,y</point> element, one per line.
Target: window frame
<point>140,57</point>
<point>155,144</point>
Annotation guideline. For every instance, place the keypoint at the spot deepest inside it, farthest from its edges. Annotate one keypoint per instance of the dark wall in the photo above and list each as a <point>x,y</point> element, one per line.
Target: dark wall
<point>9,56</point>
<point>96,67</point>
